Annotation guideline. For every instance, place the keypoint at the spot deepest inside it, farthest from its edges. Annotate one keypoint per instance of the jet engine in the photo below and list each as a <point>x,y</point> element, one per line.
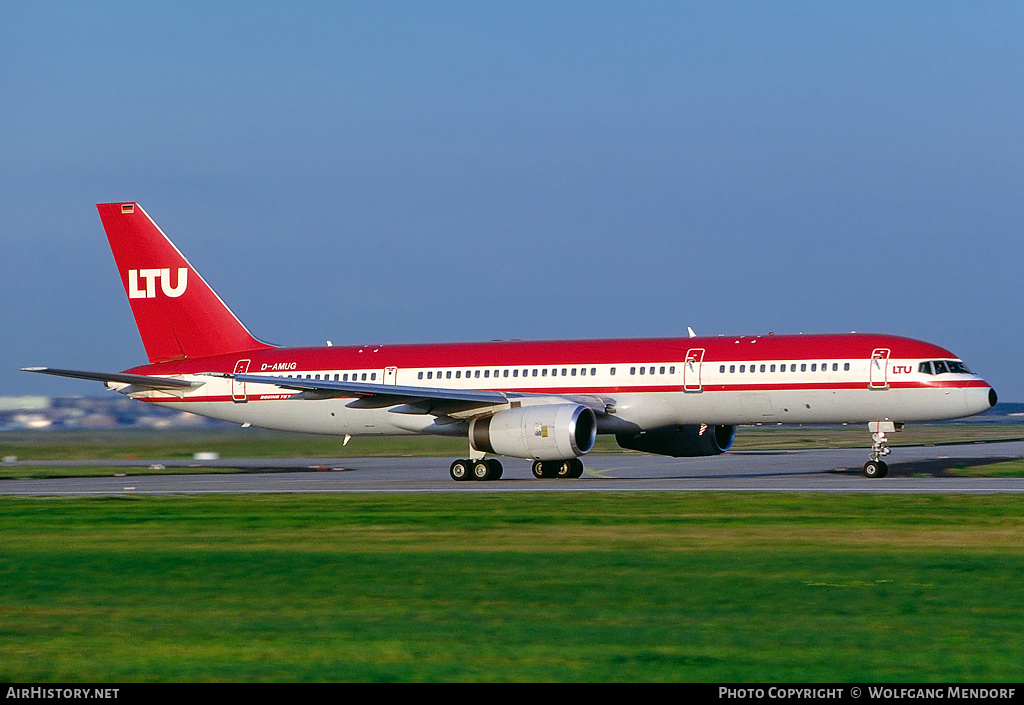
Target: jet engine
<point>545,432</point>
<point>681,441</point>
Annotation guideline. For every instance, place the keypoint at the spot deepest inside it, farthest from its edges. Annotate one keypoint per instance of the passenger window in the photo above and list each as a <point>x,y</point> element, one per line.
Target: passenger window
<point>672,370</point>
<point>762,368</point>
<point>632,370</point>
<point>721,368</point>
<point>846,367</point>
<point>544,372</point>
<point>642,370</point>
<point>505,373</point>
<point>835,366</point>
<point>772,368</point>
<point>732,368</point>
<point>573,371</point>
<point>458,374</point>
<point>563,372</point>
<point>448,374</point>
<point>534,371</point>
<point>373,376</point>
<point>476,374</point>
<point>652,369</point>
<point>612,371</point>
<point>515,373</point>
<point>803,367</point>
<point>419,376</point>
<point>743,368</point>
<point>814,367</point>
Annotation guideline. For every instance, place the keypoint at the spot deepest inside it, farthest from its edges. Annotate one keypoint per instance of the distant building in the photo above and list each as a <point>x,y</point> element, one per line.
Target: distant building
<point>34,412</point>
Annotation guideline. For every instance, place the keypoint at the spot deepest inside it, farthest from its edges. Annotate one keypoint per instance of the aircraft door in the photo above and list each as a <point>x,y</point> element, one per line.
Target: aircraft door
<point>878,369</point>
<point>390,375</point>
<point>691,370</point>
<point>238,388</point>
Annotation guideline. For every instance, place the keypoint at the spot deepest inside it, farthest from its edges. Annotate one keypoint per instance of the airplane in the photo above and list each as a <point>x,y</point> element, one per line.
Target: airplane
<point>545,401</point>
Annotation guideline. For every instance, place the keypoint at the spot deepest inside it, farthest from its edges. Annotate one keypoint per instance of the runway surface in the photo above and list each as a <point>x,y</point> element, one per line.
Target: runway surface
<point>911,470</point>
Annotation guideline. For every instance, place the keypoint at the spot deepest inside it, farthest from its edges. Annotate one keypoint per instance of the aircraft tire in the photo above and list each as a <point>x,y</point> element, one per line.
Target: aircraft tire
<point>483,470</point>
<point>460,470</point>
<point>543,469</point>
<point>577,468</point>
<point>875,469</point>
<point>496,468</point>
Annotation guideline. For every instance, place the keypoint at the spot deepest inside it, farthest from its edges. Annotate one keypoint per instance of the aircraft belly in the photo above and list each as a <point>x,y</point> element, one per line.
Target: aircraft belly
<point>798,406</point>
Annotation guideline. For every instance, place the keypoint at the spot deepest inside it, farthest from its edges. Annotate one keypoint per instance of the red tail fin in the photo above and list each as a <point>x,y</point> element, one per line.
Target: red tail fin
<point>179,316</point>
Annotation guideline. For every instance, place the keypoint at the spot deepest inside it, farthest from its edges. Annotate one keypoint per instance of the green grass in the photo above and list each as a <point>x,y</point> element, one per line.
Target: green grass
<point>1011,468</point>
<point>589,587</point>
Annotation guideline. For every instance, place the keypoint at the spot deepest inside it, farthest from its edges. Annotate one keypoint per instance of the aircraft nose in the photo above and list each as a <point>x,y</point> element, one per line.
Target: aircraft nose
<point>980,399</point>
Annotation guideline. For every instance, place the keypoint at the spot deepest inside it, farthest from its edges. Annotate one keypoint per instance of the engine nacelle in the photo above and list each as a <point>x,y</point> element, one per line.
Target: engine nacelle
<point>681,441</point>
<point>546,432</point>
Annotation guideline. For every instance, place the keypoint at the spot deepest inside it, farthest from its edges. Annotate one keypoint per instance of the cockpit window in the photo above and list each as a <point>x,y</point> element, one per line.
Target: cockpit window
<point>942,367</point>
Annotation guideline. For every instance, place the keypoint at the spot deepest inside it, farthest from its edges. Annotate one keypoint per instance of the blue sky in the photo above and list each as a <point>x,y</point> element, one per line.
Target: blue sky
<point>430,171</point>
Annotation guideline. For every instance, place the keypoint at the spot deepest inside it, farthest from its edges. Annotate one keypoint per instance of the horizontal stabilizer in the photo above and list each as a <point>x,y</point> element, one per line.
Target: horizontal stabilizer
<point>137,380</point>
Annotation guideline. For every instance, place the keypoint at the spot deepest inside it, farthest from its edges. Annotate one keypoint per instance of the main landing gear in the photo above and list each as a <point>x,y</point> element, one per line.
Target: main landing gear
<point>490,469</point>
<point>875,467</point>
<point>483,469</point>
<point>571,468</point>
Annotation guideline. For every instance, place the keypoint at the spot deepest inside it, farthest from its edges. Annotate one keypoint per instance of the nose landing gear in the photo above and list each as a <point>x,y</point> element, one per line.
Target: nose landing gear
<point>875,467</point>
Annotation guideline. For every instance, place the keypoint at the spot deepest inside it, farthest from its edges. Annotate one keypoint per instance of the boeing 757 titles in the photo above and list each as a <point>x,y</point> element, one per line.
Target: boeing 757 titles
<point>544,401</point>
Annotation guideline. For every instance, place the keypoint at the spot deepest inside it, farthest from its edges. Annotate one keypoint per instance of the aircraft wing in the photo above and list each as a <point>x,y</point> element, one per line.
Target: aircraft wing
<point>385,393</point>
<point>138,380</point>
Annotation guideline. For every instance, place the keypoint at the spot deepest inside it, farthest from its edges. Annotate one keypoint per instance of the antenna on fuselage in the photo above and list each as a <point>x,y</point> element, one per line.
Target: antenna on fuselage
<point>690,331</point>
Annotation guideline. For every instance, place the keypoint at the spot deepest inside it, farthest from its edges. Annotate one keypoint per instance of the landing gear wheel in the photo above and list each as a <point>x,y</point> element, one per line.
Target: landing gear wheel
<point>875,469</point>
<point>495,468</point>
<point>544,469</point>
<point>571,468</point>
<point>481,470</point>
<point>577,468</point>
<point>460,470</point>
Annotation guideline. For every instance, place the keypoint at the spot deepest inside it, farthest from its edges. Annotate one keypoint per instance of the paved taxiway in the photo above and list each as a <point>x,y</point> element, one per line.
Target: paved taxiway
<point>911,470</point>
